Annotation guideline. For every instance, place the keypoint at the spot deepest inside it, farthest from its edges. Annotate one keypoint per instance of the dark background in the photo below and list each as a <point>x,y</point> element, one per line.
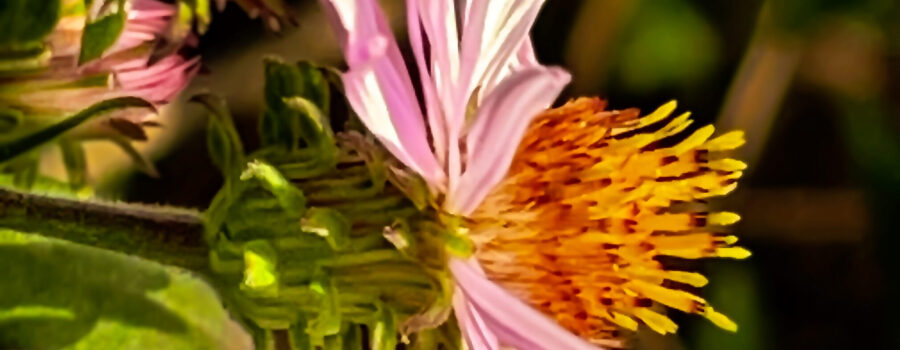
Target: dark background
<point>813,83</point>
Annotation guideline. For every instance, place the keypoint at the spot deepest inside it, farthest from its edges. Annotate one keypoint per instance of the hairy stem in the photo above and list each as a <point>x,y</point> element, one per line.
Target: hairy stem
<point>166,235</point>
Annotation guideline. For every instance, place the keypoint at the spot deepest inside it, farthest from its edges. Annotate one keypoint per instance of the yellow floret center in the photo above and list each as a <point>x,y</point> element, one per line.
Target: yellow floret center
<point>592,199</point>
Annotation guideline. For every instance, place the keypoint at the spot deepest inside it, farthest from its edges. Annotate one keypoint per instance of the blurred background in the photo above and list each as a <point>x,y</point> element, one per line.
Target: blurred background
<point>815,84</point>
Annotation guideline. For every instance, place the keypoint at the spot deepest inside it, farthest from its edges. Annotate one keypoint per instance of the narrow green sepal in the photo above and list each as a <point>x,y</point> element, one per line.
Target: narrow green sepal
<point>281,124</point>
<point>328,320</point>
<point>455,238</point>
<point>260,269</point>
<point>328,224</point>
<point>313,126</point>
<point>352,337</point>
<point>299,339</point>
<point>28,142</point>
<point>333,342</point>
<point>10,119</point>
<point>75,160</point>
<point>223,141</point>
<point>289,197</point>
<point>416,189</point>
<point>445,337</point>
<point>384,330</point>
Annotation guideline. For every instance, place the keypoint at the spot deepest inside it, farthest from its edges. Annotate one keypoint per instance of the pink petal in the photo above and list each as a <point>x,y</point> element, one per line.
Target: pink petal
<point>514,323</point>
<point>433,108</point>
<point>493,31</point>
<point>385,102</point>
<point>473,328</point>
<point>378,84</point>
<point>499,126</point>
<point>358,23</point>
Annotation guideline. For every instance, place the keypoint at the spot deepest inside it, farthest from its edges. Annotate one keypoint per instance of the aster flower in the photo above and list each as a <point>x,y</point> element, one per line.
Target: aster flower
<point>577,198</point>
<point>124,69</point>
<point>70,81</point>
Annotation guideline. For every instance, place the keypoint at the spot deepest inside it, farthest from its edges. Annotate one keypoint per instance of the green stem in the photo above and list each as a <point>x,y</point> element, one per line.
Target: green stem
<point>166,235</point>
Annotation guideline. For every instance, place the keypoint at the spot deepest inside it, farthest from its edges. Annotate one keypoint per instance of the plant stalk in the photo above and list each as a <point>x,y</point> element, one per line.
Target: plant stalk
<point>170,236</point>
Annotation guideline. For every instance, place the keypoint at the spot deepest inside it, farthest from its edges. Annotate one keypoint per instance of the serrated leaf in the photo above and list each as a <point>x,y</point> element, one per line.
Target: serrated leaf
<point>28,142</point>
<point>59,295</point>
<point>102,31</point>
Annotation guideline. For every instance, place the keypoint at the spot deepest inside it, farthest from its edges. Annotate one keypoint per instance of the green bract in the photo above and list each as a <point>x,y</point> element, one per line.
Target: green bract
<point>304,236</point>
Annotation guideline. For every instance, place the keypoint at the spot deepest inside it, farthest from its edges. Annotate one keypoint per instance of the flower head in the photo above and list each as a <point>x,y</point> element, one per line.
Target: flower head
<point>479,81</point>
<point>85,65</point>
<point>126,68</point>
<point>569,209</point>
<point>592,201</point>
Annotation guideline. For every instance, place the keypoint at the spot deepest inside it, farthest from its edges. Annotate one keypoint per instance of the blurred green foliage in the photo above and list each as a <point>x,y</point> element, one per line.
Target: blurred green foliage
<point>59,295</point>
<point>668,44</point>
<point>25,23</point>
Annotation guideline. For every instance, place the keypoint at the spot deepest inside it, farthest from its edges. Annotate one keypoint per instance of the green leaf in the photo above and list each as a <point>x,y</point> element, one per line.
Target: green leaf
<point>102,31</point>
<point>59,295</point>
<point>28,142</point>
<point>25,23</point>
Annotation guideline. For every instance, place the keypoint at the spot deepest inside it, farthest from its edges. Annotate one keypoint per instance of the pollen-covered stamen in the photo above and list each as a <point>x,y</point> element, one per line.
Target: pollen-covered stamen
<point>591,200</point>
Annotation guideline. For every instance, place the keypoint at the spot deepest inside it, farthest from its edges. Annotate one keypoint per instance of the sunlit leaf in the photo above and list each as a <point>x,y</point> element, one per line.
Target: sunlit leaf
<point>58,295</point>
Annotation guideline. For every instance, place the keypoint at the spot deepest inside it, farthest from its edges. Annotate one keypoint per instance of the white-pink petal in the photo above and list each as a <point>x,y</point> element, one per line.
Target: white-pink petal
<point>499,126</point>
<point>378,85</point>
<point>508,318</point>
<point>383,99</point>
<point>474,330</point>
